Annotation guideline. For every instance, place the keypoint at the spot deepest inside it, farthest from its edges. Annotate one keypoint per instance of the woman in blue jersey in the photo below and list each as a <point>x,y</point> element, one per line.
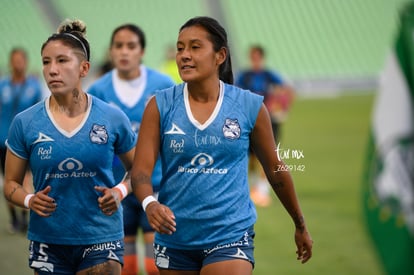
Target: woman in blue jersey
<point>69,141</point>
<point>129,86</point>
<point>203,129</point>
<point>18,92</point>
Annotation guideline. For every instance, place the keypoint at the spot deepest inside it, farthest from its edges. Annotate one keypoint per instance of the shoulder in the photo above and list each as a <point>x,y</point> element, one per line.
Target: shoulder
<point>101,83</point>
<point>4,81</point>
<point>171,93</point>
<point>103,106</point>
<point>167,98</point>
<point>32,111</point>
<point>242,96</point>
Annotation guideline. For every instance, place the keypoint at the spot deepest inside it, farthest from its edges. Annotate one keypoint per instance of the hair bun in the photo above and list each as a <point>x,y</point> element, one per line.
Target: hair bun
<point>69,26</point>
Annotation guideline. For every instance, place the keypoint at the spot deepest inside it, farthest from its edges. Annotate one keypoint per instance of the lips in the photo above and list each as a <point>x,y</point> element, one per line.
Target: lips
<point>55,82</point>
<point>186,67</point>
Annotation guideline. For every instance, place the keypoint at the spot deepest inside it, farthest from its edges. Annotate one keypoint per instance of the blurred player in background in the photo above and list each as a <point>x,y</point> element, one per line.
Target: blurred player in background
<point>17,93</point>
<point>169,66</point>
<point>129,86</point>
<point>278,96</point>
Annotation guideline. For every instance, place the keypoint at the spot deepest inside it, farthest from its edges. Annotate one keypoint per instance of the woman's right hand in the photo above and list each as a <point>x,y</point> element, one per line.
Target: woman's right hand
<point>42,204</point>
<point>161,218</point>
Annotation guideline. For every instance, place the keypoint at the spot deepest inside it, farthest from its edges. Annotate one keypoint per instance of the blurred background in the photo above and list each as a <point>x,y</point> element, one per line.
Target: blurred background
<point>328,43</point>
<point>331,51</point>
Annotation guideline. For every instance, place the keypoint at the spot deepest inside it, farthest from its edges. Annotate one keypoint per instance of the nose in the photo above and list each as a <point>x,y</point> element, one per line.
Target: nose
<point>183,55</point>
<point>53,68</point>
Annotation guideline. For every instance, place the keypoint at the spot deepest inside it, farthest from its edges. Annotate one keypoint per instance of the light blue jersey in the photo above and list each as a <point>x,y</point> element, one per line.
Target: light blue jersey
<point>104,89</point>
<point>205,167</point>
<point>15,98</point>
<point>72,163</point>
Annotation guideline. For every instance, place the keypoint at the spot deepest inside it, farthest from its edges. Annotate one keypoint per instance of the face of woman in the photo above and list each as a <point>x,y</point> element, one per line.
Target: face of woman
<point>62,69</point>
<point>256,60</point>
<point>18,63</point>
<point>126,52</point>
<point>196,58</point>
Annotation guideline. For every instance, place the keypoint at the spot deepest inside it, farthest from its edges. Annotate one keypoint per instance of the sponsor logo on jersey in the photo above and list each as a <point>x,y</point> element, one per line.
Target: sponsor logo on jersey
<point>231,129</point>
<point>177,146</point>
<point>175,130</point>
<point>70,168</point>
<point>42,138</point>
<point>202,164</point>
<point>98,134</point>
<point>204,140</point>
<point>44,152</point>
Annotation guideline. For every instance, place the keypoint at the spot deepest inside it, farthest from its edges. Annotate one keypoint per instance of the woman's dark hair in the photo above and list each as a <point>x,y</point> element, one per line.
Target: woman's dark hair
<point>133,28</point>
<point>218,37</point>
<point>72,33</point>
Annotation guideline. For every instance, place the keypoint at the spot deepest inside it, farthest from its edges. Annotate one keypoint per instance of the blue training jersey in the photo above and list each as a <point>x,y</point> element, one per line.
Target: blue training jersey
<point>104,89</point>
<point>72,163</point>
<point>258,82</point>
<point>205,179</point>
<point>15,98</point>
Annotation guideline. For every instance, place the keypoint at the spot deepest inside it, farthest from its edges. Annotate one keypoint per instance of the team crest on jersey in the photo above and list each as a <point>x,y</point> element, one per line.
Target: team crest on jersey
<point>98,134</point>
<point>231,129</point>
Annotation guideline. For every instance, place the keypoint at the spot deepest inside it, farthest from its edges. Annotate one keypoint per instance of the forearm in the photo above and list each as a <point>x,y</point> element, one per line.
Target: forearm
<point>141,185</point>
<point>283,186</point>
<point>14,193</point>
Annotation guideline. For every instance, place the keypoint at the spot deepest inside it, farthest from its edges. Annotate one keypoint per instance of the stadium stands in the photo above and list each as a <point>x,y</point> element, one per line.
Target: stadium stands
<point>318,39</point>
<point>23,26</point>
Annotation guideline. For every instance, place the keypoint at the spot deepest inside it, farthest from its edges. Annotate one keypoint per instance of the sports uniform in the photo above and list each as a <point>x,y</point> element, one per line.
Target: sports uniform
<point>205,170</point>
<point>15,98</point>
<point>108,88</point>
<point>72,163</point>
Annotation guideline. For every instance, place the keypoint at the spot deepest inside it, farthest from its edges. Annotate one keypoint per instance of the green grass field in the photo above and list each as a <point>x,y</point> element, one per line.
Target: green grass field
<point>332,134</point>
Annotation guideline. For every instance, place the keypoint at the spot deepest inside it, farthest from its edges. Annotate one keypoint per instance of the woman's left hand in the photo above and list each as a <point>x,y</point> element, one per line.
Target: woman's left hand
<point>304,244</point>
<point>110,200</point>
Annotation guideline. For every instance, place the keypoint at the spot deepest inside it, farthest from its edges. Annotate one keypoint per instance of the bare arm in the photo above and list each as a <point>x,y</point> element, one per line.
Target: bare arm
<point>159,216</point>
<point>111,197</point>
<point>13,185</point>
<point>16,167</point>
<point>263,145</point>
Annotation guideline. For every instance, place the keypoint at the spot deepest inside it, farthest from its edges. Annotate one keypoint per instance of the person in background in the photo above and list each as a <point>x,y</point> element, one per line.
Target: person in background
<point>169,66</point>
<point>18,92</point>
<point>203,129</point>
<point>278,96</point>
<point>69,141</point>
<point>129,86</point>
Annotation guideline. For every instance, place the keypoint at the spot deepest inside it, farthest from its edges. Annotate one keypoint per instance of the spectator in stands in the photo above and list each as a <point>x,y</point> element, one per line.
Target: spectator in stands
<point>278,96</point>
<point>18,92</point>
<point>129,86</point>
<point>69,141</point>
<point>203,129</point>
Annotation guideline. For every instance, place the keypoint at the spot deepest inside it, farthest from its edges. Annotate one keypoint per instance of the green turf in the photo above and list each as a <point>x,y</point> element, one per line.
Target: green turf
<point>332,134</point>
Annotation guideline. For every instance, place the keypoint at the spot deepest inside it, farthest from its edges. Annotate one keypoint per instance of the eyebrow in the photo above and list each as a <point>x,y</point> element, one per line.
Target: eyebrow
<point>191,41</point>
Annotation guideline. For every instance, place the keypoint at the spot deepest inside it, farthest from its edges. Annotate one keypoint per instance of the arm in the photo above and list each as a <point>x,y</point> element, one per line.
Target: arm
<point>111,199</point>
<point>263,145</point>
<point>40,202</point>
<point>159,216</point>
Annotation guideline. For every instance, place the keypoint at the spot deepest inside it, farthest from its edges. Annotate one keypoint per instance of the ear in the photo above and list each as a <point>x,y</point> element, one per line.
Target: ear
<point>221,56</point>
<point>84,68</point>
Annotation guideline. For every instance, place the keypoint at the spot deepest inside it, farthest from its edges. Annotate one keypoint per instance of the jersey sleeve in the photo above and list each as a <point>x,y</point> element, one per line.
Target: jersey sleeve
<point>127,138</point>
<point>16,141</point>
